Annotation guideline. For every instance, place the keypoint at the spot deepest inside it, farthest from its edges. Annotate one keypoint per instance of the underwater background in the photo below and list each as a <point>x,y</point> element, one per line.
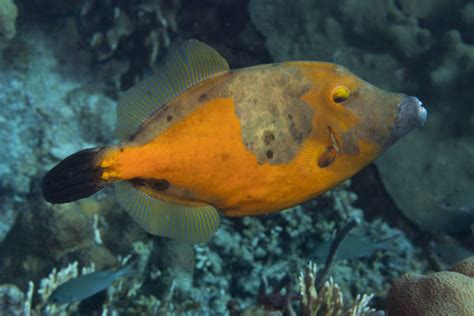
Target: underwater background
<point>63,66</point>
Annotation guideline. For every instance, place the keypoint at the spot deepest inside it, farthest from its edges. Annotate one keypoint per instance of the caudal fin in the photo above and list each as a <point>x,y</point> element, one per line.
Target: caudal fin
<point>76,177</point>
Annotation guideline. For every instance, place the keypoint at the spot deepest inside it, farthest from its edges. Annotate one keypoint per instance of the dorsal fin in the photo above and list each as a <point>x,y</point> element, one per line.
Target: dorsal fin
<point>193,224</point>
<point>189,64</point>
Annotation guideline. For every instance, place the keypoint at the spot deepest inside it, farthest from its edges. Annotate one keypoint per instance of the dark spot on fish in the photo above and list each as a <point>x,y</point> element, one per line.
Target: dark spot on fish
<point>156,184</point>
<point>138,182</point>
<point>269,154</point>
<point>225,156</point>
<point>296,134</point>
<point>169,118</point>
<point>159,184</point>
<point>298,137</point>
<point>137,131</point>
<point>328,157</point>
<point>203,97</point>
<point>268,137</point>
<point>121,149</point>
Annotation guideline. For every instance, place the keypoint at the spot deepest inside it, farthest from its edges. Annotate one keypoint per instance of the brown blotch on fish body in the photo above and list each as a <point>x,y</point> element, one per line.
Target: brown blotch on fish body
<point>225,156</point>
<point>138,182</point>
<point>263,106</point>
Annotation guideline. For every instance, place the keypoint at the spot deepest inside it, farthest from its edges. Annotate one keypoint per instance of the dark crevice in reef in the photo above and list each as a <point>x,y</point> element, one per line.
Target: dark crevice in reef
<point>226,26</point>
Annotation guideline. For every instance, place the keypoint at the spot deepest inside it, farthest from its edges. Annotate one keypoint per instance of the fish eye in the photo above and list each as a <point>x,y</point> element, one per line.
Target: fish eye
<point>340,94</point>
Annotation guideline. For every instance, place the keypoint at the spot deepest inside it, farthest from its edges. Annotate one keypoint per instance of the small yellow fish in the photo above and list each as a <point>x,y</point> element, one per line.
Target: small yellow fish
<point>199,139</point>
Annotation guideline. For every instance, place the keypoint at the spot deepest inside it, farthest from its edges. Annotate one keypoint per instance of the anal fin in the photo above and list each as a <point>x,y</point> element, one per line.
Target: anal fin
<point>193,224</point>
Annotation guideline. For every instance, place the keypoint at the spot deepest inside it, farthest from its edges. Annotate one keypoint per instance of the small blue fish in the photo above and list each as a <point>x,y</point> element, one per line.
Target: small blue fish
<point>353,246</point>
<point>87,285</point>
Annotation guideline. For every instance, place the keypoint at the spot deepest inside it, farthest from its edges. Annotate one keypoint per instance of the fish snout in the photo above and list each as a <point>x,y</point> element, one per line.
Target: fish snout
<point>410,115</point>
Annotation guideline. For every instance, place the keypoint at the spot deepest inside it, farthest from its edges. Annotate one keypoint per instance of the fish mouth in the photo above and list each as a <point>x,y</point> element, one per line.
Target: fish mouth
<point>410,115</point>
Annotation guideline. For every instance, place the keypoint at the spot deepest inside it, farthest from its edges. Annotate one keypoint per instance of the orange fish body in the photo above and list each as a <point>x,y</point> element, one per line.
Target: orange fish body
<point>251,141</point>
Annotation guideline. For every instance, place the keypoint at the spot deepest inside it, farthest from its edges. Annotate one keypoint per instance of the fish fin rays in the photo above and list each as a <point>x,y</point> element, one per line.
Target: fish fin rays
<point>193,224</point>
<point>188,65</point>
<point>308,157</point>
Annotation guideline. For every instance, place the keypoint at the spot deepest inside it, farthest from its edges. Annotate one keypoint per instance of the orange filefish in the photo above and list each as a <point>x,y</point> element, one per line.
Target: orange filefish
<point>199,139</point>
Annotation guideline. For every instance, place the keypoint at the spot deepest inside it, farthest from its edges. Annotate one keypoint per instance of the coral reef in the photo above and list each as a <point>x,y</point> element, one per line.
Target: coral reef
<point>275,247</point>
<point>135,31</point>
<point>465,267</point>
<point>124,38</point>
<point>441,293</point>
<point>330,300</point>
<point>313,301</point>
<point>12,300</point>
<point>115,300</point>
<point>8,15</point>
<point>48,110</point>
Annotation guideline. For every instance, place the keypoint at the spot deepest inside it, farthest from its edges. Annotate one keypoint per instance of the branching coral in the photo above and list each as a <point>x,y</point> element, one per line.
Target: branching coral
<point>326,301</point>
<point>329,300</point>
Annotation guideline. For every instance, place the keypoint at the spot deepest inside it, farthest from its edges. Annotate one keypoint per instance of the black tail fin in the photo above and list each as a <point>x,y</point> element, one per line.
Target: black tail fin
<point>76,177</point>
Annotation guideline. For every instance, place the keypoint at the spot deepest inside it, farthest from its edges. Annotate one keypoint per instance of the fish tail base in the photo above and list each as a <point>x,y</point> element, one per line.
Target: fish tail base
<point>76,177</point>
